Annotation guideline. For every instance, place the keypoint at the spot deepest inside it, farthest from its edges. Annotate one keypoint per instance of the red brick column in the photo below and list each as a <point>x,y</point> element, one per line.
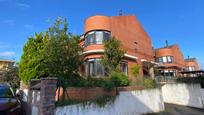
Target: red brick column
<point>47,96</point>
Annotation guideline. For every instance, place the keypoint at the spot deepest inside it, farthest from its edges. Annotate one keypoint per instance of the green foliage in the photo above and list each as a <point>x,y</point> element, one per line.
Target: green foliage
<point>11,76</point>
<point>61,54</point>
<point>112,55</point>
<point>119,78</point>
<point>30,65</point>
<point>149,83</point>
<point>192,80</point>
<point>135,70</point>
<point>54,53</point>
<point>108,84</point>
<point>138,82</point>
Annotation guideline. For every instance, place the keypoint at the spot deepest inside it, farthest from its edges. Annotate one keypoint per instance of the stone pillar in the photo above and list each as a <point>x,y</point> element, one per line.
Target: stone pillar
<point>47,95</point>
<point>151,72</point>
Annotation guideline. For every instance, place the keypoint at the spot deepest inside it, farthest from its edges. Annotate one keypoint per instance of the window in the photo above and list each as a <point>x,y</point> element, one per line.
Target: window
<point>124,67</point>
<point>91,68</point>
<point>96,37</point>
<point>164,59</point>
<point>191,68</point>
<point>99,37</point>
<point>159,60</point>
<point>6,92</point>
<point>168,73</point>
<point>169,59</point>
<point>94,68</point>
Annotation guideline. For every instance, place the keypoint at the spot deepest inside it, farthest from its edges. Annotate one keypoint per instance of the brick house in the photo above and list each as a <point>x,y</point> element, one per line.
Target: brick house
<point>191,64</point>
<point>134,40</point>
<point>170,59</point>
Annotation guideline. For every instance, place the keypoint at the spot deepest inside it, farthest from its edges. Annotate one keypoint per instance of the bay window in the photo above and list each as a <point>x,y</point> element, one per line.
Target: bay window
<point>165,59</point>
<point>94,68</point>
<point>96,37</point>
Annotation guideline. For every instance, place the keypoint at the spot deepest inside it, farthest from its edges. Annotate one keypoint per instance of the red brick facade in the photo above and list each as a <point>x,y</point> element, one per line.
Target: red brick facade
<point>128,31</point>
<point>191,64</point>
<point>177,64</point>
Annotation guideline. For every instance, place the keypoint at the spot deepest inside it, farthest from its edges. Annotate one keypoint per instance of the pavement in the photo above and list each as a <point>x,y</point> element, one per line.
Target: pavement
<point>172,109</point>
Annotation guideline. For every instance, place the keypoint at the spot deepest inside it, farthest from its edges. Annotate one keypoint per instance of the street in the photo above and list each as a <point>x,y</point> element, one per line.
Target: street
<point>172,109</point>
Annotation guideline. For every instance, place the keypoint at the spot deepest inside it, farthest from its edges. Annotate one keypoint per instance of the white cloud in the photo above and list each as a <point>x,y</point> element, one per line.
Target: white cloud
<point>23,5</point>
<point>7,54</point>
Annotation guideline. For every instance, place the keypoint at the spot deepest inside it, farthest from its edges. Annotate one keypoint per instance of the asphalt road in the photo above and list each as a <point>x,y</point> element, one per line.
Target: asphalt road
<point>172,109</point>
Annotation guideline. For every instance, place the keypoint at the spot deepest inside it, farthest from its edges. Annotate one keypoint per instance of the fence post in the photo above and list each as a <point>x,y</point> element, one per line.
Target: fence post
<point>47,95</point>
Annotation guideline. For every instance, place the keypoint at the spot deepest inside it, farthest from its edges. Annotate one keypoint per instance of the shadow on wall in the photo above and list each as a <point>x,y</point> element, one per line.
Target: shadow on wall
<point>196,94</point>
<point>183,94</point>
<point>126,103</point>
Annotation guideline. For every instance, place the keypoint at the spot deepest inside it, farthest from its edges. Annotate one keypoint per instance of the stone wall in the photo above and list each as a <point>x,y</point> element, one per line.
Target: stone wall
<point>126,103</point>
<point>184,94</point>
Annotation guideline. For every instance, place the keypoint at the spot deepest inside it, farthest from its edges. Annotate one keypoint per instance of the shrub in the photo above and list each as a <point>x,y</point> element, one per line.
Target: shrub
<point>95,82</point>
<point>139,82</point>
<point>108,84</point>
<point>135,70</point>
<point>119,79</point>
<point>149,83</point>
<point>191,80</point>
<point>123,79</point>
<point>76,81</point>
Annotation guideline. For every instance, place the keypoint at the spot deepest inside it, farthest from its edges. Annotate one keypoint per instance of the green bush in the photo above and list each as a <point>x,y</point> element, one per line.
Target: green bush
<point>76,81</point>
<point>119,79</point>
<point>135,70</point>
<point>108,84</point>
<point>95,82</point>
<point>149,83</point>
<point>116,79</point>
<point>192,80</point>
<point>139,82</point>
<point>123,79</point>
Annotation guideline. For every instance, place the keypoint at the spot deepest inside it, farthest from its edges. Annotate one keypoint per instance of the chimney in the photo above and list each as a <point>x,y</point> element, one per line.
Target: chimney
<point>120,13</point>
<point>167,43</point>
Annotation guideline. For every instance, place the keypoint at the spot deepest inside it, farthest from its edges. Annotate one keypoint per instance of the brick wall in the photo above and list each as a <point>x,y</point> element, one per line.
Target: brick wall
<point>81,93</point>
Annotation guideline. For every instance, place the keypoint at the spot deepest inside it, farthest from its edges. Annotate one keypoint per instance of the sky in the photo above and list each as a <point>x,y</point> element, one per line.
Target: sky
<point>178,21</point>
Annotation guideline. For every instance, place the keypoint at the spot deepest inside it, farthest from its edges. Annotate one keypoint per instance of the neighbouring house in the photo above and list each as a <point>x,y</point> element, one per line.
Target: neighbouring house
<point>170,59</point>
<point>192,68</point>
<point>134,41</point>
<point>5,64</point>
<point>191,64</point>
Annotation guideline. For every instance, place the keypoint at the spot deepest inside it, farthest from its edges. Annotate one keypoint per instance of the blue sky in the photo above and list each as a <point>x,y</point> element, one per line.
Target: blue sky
<point>178,21</point>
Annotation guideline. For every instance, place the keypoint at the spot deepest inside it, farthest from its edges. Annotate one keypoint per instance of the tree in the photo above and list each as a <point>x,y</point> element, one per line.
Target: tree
<point>62,57</point>
<point>55,53</point>
<point>112,55</point>
<point>30,66</point>
<point>10,75</point>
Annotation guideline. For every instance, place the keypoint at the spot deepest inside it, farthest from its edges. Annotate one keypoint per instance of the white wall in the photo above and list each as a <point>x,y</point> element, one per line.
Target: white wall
<point>126,103</point>
<point>184,94</point>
